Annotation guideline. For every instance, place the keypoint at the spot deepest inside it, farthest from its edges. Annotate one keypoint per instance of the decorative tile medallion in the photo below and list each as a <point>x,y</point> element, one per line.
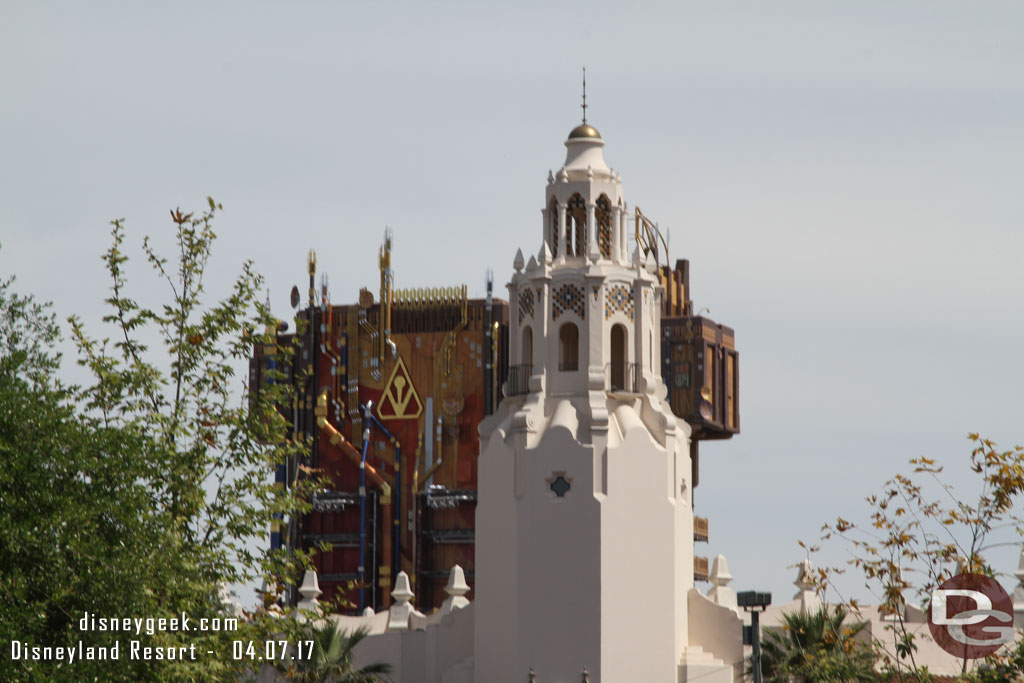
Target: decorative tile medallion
<point>619,298</point>
<point>525,304</point>
<point>597,290</point>
<point>568,297</point>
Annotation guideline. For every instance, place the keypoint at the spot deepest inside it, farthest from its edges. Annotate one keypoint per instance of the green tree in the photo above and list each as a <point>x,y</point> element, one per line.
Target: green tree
<point>144,492</point>
<point>1001,667</point>
<point>211,446</point>
<point>817,647</point>
<point>332,658</point>
<point>73,502</point>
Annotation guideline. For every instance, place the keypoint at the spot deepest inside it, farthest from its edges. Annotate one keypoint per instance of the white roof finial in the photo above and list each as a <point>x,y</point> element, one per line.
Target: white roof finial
<point>804,571</point>
<point>720,593</point>
<point>456,590</point>
<point>310,591</point>
<point>545,255</point>
<point>720,575</point>
<point>807,595</point>
<point>401,610</point>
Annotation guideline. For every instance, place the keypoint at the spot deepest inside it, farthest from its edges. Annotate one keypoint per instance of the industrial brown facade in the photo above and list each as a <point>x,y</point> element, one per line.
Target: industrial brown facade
<point>392,390</point>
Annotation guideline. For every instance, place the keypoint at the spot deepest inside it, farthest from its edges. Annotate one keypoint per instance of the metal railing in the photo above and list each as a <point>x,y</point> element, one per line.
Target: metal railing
<point>449,536</point>
<point>519,379</point>
<point>584,677</point>
<point>624,377</point>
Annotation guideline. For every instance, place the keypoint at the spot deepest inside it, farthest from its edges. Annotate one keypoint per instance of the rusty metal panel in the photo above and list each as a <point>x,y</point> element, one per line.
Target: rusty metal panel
<point>702,375</point>
<point>447,537</point>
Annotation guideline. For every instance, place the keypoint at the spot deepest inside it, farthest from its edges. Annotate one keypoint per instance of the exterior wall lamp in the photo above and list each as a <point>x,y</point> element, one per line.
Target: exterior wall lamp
<point>754,602</point>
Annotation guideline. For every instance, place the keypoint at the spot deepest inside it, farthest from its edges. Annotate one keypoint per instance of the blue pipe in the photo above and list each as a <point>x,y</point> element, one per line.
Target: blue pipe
<point>397,516</point>
<point>362,507</point>
<point>280,479</point>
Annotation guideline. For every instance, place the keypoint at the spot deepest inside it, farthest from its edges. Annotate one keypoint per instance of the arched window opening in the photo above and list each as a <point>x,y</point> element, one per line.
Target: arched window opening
<point>576,226</point>
<point>619,366</point>
<point>526,353</point>
<point>621,227</point>
<point>603,216</point>
<point>553,225</point>
<point>568,348</point>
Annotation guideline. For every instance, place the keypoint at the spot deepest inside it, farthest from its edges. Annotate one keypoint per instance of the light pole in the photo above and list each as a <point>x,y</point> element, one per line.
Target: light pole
<point>754,602</point>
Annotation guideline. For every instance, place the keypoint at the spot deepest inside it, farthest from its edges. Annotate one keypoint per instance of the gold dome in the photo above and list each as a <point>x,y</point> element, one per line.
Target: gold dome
<point>584,131</point>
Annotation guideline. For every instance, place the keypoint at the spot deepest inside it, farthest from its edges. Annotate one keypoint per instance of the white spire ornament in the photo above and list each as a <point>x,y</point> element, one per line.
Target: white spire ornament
<point>720,593</point>
<point>807,593</point>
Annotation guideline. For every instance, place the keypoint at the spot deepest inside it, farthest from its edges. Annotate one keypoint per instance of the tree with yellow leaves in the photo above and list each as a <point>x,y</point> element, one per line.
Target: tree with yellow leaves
<point>921,533</point>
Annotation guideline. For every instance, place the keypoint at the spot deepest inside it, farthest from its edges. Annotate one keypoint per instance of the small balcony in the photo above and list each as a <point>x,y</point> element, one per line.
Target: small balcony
<point>700,529</point>
<point>519,379</point>
<point>700,568</point>
<point>624,377</point>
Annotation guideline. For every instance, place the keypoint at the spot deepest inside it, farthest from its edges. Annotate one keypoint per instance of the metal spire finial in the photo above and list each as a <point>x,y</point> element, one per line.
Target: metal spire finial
<point>584,95</point>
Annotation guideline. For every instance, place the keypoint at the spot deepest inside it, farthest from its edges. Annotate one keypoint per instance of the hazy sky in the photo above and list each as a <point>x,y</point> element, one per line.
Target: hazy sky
<point>845,179</point>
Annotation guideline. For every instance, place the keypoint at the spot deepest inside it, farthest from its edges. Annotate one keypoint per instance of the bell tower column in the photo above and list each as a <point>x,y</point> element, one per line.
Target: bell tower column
<point>623,235</point>
<point>616,210</point>
<point>563,239</point>
<point>593,249</point>
<point>583,483</point>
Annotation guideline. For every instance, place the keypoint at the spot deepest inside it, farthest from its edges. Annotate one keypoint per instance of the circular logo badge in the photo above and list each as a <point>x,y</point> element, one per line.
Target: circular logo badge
<point>971,616</point>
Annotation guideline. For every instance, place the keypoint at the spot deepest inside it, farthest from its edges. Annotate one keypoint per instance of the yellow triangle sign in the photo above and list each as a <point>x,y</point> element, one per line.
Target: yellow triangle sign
<point>400,400</point>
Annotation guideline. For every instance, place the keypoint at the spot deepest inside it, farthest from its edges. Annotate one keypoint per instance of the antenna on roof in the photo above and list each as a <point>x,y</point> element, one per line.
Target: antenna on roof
<point>584,95</point>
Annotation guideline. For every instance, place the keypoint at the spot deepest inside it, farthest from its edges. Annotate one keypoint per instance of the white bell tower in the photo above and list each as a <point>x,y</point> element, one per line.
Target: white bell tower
<point>584,526</point>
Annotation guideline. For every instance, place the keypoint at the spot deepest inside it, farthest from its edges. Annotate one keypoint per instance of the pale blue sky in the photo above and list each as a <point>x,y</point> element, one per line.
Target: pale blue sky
<point>844,177</point>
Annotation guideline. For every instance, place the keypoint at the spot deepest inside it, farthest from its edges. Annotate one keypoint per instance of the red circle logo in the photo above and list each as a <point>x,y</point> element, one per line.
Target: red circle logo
<point>971,616</point>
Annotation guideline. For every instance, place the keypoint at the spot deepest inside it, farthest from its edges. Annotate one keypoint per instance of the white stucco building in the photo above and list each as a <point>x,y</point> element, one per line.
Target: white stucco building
<point>584,471</point>
<point>584,479</point>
